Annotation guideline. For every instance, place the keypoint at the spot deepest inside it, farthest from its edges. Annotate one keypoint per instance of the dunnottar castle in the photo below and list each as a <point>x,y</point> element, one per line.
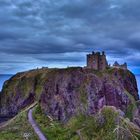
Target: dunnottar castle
<point>98,61</point>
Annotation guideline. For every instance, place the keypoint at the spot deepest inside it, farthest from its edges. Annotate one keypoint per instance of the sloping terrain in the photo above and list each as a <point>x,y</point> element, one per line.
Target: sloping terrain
<point>75,103</point>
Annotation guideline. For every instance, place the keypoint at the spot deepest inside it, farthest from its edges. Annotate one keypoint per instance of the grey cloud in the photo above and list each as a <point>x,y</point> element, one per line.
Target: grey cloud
<point>45,28</point>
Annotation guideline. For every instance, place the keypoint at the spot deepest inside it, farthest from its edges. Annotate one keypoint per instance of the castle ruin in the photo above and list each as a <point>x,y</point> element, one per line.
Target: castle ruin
<point>97,61</point>
<point>122,66</point>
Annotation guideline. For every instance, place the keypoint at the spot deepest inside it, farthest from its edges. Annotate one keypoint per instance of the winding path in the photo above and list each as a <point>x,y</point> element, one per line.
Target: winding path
<point>35,127</point>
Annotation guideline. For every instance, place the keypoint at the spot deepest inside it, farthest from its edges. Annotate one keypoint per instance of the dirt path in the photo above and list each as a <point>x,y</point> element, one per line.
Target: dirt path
<point>35,126</point>
<point>4,124</point>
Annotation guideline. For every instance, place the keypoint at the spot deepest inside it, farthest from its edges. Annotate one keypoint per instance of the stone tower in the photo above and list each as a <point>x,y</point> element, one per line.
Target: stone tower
<point>97,61</point>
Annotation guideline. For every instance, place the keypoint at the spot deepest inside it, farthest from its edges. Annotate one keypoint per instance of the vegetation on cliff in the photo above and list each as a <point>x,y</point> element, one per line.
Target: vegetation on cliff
<point>70,103</point>
<point>107,124</point>
<point>18,129</point>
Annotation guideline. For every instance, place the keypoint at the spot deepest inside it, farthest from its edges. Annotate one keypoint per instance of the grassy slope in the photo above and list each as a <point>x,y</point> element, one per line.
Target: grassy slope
<point>25,82</point>
<point>18,128</point>
<point>103,126</point>
<point>131,108</point>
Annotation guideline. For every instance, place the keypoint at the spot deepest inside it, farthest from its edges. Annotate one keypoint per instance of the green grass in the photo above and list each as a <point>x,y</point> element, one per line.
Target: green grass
<point>105,125</point>
<point>52,129</point>
<point>126,130</point>
<point>98,73</point>
<point>131,107</point>
<point>18,129</point>
<point>99,127</point>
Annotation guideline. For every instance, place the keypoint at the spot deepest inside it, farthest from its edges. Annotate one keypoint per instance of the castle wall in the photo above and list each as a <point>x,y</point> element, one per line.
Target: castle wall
<point>97,61</point>
<point>117,65</point>
<point>92,61</point>
<point>103,62</point>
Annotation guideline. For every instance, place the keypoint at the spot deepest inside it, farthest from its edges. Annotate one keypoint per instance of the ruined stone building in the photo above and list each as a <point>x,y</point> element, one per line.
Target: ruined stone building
<point>97,61</point>
<point>117,65</point>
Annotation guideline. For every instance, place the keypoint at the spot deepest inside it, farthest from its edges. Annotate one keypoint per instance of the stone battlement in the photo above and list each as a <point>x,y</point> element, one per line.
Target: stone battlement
<point>97,61</point>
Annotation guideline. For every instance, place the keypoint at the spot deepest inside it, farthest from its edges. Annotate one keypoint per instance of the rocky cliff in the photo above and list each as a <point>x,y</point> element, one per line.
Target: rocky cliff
<point>63,93</point>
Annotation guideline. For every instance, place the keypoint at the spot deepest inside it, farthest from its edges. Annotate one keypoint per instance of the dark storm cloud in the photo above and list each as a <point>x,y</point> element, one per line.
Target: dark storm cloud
<point>54,31</point>
<point>64,57</point>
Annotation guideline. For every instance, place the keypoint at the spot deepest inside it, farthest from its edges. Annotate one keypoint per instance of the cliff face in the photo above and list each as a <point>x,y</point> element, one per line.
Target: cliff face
<point>68,92</point>
<point>21,90</point>
<point>63,93</point>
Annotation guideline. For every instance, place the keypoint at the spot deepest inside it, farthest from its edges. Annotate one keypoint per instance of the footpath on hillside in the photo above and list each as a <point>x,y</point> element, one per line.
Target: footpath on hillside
<point>35,126</point>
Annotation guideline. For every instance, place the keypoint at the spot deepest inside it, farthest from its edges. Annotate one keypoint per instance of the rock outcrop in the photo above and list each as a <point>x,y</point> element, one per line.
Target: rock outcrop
<point>63,93</point>
<point>68,92</point>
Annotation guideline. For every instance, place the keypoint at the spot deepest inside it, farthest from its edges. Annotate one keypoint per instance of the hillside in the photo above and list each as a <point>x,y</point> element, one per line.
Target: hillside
<point>72,93</point>
<point>63,92</point>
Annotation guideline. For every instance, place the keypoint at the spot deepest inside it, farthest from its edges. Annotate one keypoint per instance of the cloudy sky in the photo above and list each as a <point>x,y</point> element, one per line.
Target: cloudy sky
<point>59,33</point>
